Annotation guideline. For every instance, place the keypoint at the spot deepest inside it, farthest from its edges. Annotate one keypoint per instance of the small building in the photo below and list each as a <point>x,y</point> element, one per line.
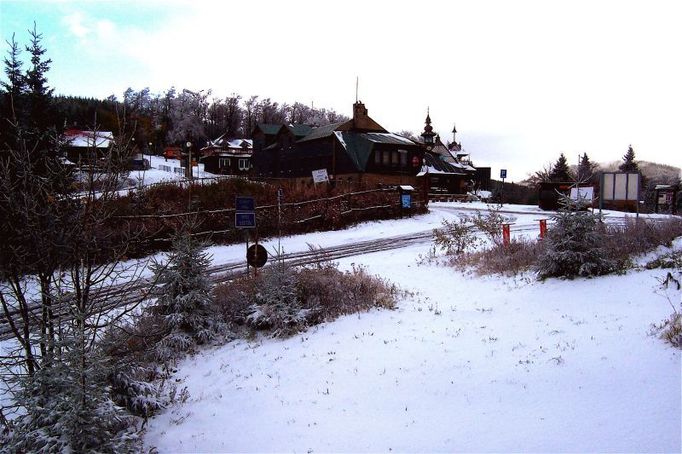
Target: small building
<point>225,156</point>
<point>86,147</point>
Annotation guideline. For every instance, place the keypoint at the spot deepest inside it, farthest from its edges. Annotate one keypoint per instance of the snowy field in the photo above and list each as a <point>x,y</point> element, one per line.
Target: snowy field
<point>466,364</point>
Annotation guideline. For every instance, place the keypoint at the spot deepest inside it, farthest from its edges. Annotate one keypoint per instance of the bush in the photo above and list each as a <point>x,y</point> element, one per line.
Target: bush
<point>574,247</point>
<point>670,329</point>
<point>456,237</point>
<point>637,236</point>
<point>520,255</point>
<point>276,306</point>
<point>283,300</point>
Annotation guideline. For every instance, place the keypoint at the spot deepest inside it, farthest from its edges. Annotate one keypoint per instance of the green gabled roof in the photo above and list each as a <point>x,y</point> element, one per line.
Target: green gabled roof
<point>357,147</point>
<point>322,131</point>
<point>300,130</point>
<point>269,128</point>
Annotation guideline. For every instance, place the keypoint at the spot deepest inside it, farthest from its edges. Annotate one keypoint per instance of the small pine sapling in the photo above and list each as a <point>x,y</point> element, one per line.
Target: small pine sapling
<point>184,298</point>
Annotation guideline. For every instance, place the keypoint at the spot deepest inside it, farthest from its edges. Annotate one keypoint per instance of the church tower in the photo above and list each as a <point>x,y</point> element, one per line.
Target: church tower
<point>428,133</point>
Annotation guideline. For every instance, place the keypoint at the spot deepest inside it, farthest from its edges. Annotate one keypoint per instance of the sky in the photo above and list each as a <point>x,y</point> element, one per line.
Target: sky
<point>522,80</point>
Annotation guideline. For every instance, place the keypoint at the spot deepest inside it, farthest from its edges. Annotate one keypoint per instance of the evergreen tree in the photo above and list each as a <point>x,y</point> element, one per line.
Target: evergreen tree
<point>585,169</point>
<point>68,408</point>
<point>574,247</point>
<point>184,298</point>
<point>15,86</point>
<point>629,165</point>
<point>40,110</point>
<point>560,172</point>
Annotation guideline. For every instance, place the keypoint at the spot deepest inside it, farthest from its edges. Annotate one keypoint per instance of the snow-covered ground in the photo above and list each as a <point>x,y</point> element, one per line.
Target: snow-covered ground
<point>163,170</point>
<point>466,364</point>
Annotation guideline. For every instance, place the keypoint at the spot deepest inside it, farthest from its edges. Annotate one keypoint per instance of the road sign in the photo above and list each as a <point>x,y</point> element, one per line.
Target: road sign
<point>320,176</point>
<point>503,173</point>
<point>256,256</point>
<point>245,220</point>
<point>244,203</point>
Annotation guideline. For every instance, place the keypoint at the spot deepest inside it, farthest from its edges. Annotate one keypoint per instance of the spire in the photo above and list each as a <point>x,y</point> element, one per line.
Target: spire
<point>428,133</point>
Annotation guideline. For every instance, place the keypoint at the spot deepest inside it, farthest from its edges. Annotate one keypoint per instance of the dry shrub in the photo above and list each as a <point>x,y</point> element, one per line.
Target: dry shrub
<point>322,293</point>
<point>330,293</point>
<point>455,237</point>
<point>233,299</point>
<point>637,236</point>
<point>670,330</point>
<point>519,256</point>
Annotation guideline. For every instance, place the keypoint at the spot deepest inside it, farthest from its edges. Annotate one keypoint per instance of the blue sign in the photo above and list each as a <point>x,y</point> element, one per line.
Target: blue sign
<point>245,220</point>
<point>244,203</point>
<point>503,173</point>
<point>406,200</point>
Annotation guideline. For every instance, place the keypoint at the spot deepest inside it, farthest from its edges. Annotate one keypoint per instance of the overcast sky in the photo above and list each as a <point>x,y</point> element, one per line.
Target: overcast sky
<point>523,80</point>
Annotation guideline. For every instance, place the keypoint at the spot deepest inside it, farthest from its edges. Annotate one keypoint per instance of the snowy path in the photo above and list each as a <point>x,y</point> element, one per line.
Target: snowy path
<point>468,364</point>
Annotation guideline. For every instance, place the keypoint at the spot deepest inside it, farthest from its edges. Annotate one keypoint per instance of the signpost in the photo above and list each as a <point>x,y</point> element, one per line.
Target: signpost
<point>320,176</point>
<point>256,256</point>
<point>503,175</point>
<point>619,187</point>
<point>244,219</point>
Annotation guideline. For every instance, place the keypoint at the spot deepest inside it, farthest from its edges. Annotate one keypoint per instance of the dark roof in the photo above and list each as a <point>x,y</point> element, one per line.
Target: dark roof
<point>269,128</point>
<point>300,130</point>
<point>359,145</point>
<point>387,137</point>
<point>441,166</point>
<point>322,131</point>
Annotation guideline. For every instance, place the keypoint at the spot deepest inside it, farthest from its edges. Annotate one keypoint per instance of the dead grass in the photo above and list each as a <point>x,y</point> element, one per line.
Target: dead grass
<point>323,293</point>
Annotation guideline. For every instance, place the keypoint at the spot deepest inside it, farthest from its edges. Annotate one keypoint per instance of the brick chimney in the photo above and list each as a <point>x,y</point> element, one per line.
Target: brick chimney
<point>359,114</point>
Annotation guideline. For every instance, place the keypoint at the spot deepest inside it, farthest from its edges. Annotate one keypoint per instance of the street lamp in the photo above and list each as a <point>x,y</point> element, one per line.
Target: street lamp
<point>189,163</point>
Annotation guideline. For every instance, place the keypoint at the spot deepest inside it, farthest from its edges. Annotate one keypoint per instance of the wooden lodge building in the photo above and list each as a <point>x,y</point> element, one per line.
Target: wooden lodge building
<point>223,156</point>
<point>356,153</point>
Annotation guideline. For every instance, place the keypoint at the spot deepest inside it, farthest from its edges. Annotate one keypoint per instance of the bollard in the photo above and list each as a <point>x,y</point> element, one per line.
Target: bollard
<point>543,228</point>
<point>506,236</point>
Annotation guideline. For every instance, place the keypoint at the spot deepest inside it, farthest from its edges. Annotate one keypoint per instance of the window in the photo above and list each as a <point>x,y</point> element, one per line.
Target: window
<point>223,162</point>
<point>377,157</point>
<point>243,164</point>
<point>386,158</point>
<point>403,158</point>
<point>394,158</point>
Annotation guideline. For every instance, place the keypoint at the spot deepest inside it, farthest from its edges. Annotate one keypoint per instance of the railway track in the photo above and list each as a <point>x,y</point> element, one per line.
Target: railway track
<point>131,293</point>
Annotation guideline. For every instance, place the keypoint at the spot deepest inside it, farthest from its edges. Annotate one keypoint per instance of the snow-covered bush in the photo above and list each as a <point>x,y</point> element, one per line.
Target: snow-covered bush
<point>134,375</point>
<point>276,305</point>
<point>68,409</point>
<point>574,246</point>
<point>285,300</point>
<point>455,237</point>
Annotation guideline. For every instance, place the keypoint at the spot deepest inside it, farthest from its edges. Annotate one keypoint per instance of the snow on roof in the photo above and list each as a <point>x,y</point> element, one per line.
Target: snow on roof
<point>339,135</point>
<point>388,137</point>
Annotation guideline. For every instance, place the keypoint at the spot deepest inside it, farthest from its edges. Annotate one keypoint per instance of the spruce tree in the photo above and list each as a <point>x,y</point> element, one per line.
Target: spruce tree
<point>629,165</point>
<point>585,169</point>
<point>560,172</point>
<point>40,110</point>
<point>184,298</point>
<point>15,85</point>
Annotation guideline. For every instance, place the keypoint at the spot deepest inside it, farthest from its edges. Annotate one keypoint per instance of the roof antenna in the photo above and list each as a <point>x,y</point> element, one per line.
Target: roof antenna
<point>357,79</point>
